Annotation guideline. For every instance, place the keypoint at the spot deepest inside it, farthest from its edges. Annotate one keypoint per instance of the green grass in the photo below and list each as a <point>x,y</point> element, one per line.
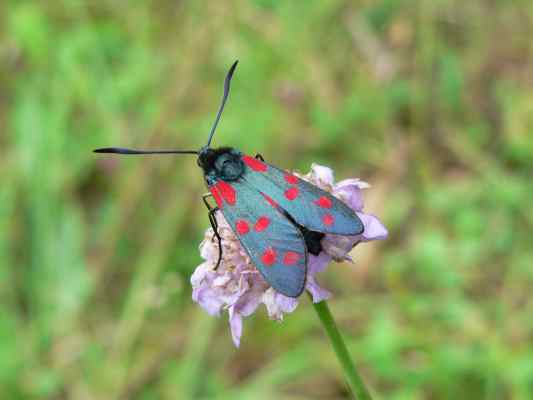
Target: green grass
<point>430,101</point>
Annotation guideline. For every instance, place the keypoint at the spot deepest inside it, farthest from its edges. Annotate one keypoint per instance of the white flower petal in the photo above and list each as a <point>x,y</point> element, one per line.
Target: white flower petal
<point>317,293</point>
<point>235,323</point>
<point>208,300</point>
<point>277,304</point>
<point>317,263</point>
<point>321,174</point>
<point>352,182</point>
<point>200,273</point>
<point>208,251</point>
<point>351,195</point>
<point>374,229</point>
<point>221,280</point>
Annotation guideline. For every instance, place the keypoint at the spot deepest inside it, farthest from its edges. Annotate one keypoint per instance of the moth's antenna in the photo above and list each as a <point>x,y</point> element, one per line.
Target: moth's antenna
<point>121,150</point>
<point>227,82</point>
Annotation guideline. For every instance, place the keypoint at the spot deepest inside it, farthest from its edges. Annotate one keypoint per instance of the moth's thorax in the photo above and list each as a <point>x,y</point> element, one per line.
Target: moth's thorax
<point>223,163</point>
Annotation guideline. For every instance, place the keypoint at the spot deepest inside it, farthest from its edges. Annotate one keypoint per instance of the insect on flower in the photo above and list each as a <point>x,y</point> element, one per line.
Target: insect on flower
<point>278,218</point>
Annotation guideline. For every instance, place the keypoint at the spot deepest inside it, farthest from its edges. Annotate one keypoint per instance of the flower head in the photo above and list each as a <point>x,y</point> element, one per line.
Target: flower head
<point>237,286</point>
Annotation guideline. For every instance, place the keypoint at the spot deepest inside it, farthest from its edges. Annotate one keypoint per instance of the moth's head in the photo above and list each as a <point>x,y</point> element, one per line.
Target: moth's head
<point>224,163</point>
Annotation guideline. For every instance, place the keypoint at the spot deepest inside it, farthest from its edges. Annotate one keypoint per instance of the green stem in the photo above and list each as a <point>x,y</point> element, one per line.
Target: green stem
<point>354,380</point>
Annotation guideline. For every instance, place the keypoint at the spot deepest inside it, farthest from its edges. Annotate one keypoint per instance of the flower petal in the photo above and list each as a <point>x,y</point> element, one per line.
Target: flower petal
<point>200,273</point>
<point>317,293</point>
<point>338,246</point>
<point>317,263</point>
<point>350,193</point>
<point>235,324</point>
<point>374,229</point>
<point>208,251</point>
<point>352,182</point>
<point>277,304</point>
<point>248,303</point>
<point>321,174</point>
<point>221,280</point>
<point>208,299</point>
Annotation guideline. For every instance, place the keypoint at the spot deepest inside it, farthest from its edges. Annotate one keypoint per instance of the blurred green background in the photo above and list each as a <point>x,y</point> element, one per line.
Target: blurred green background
<point>429,101</point>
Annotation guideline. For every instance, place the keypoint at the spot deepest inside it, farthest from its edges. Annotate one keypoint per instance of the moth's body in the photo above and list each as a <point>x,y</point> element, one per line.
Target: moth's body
<point>279,218</point>
<point>226,163</point>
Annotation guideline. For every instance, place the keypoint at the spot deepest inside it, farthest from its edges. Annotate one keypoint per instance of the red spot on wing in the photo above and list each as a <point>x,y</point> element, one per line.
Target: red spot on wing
<point>227,192</point>
<point>291,179</point>
<point>270,200</point>
<point>328,219</point>
<point>269,256</point>
<point>255,164</point>
<point>291,258</point>
<point>324,202</point>
<point>292,193</point>
<point>216,196</point>
<point>261,224</point>
<point>242,227</point>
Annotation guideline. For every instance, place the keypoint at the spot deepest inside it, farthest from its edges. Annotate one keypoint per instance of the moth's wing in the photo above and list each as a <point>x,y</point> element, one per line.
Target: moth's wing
<point>309,205</point>
<point>274,244</point>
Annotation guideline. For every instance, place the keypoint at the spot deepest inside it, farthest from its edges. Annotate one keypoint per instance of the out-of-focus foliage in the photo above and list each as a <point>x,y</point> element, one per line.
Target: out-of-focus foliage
<point>430,101</point>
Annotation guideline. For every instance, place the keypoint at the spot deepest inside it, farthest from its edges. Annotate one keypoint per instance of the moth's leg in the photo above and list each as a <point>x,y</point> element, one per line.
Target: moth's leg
<point>204,199</point>
<point>259,157</point>
<point>214,225</point>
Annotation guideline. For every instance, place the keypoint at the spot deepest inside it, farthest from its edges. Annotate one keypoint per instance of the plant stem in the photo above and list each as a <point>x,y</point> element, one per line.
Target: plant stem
<point>354,380</point>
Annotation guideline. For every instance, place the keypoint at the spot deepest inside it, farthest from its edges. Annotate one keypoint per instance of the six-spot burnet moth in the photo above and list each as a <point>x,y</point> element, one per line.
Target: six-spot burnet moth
<point>278,218</point>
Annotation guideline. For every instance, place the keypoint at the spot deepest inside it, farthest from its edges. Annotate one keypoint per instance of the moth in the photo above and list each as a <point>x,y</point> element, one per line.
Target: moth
<point>278,218</point>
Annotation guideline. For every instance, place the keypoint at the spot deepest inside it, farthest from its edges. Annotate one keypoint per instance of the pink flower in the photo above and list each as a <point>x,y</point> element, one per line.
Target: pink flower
<point>237,286</point>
